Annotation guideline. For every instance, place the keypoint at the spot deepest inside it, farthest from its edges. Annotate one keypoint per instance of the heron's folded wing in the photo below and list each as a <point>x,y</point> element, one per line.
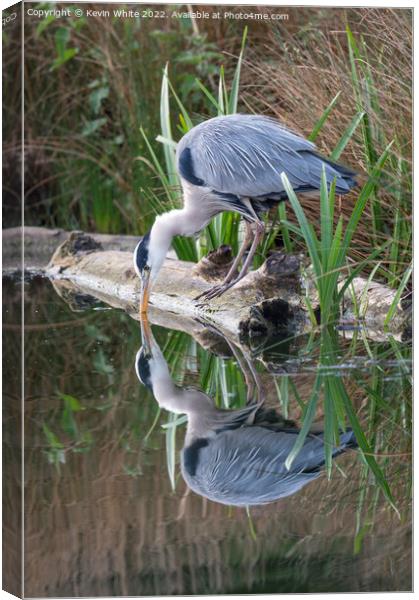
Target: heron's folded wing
<point>244,155</point>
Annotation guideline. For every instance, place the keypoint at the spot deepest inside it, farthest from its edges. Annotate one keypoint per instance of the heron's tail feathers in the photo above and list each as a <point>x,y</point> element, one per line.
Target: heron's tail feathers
<point>347,440</point>
<point>345,177</point>
<point>315,459</point>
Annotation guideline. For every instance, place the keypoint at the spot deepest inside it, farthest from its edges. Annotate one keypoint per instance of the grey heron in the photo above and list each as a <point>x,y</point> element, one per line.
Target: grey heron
<point>234,163</point>
<point>235,457</point>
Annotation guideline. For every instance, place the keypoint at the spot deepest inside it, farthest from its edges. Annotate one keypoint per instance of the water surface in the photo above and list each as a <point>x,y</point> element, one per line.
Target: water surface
<point>107,510</point>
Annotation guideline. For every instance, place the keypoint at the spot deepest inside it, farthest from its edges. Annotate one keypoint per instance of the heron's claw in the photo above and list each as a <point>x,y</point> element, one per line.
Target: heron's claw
<point>213,292</point>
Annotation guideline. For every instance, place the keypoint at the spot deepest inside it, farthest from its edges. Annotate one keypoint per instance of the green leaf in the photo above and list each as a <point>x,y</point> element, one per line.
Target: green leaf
<point>319,124</point>
<point>221,87</point>
<point>52,439</point>
<point>361,265</point>
<point>347,135</point>
<point>186,118</point>
<point>398,295</point>
<point>234,93</point>
<point>208,94</point>
<point>96,97</point>
<point>92,126</point>
<point>169,152</point>
<point>70,401</point>
<point>67,55</point>
<point>282,214</point>
<point>171,449</point>
<point>310,413</point>
<point>44,24</point>
<point>62,35</point>
<point>307,231</point>
<point>364,446</point>
<point>68,422</point>
<point>363,198</point>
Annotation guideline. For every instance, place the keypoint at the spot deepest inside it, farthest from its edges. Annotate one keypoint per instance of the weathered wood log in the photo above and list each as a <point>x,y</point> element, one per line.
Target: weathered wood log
<point>266,301</point>
<point>40,243</point>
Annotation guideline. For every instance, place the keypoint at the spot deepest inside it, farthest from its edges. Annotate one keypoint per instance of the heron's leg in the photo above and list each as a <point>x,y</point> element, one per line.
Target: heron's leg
<point>243,365</point>
<point>257,379</point>
<point>218,290</point>
<point>245,244</point>
<point>234,267</point>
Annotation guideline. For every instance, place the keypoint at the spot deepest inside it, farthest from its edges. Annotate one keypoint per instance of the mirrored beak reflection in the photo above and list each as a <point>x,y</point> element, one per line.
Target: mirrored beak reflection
<point>234,457</point>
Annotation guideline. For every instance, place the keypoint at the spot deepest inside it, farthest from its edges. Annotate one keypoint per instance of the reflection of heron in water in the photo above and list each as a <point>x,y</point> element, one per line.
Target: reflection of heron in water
<point>236,457</point>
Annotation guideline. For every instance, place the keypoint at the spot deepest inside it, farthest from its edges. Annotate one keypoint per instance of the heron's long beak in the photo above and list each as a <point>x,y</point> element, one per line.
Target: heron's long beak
<point>147,336</point>
<point>145,293</point>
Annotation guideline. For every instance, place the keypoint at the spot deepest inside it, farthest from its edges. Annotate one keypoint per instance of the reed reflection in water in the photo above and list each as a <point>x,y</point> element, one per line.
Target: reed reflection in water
<point>104,520</point>
<point>236,457</point>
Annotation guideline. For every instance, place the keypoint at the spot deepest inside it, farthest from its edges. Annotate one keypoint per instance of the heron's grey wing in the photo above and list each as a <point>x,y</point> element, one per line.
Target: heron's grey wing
<point>244,467</point>
<point>246,154</point>
<point>247,466</point>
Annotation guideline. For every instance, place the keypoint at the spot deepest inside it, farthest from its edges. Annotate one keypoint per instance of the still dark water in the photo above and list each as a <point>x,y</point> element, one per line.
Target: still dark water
<point>107,510</point>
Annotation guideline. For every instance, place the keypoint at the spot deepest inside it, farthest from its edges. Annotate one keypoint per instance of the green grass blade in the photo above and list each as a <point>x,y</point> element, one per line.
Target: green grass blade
<point>208,94</point>
<point>171,449</point>
<point>158,168</point>
<point>169,152</point>
<point>398,295</point>
<point>234,93</point>
<point>221,86</point>
<point>347,135</point>
<point>183,110</point>
<point>326,220</point>
<point>309,415</point>
<point>282,213</point>
<point>365,447</point>
<point>363,197</point>
<point>307,231</point>
<point>355,271</point>
<point>319,124</point>
<point>329,428</point>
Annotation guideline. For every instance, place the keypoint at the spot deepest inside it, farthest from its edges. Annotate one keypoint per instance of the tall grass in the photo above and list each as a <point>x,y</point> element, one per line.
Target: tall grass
<point>90,85</point>
<point>364,64</point>
<point>224,229</point>
<point>91,166</point>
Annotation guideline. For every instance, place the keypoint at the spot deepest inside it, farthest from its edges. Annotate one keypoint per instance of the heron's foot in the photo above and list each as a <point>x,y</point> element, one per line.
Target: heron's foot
<point>214,292</point>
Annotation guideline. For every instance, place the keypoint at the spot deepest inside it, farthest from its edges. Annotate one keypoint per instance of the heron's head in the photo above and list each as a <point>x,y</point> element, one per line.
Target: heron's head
<point>143,268</point>
<point>142,367</point>
<point>149,256</point>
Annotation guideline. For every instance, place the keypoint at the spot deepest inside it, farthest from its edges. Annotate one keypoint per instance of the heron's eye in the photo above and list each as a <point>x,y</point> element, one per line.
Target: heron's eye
<point>146,268</point>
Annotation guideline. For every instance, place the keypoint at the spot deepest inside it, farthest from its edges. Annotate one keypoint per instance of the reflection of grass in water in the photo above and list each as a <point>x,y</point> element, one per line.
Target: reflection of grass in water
<point>222,379</point>
<point>380,399</point>
<point>379,393</point>
<point>219,377</point>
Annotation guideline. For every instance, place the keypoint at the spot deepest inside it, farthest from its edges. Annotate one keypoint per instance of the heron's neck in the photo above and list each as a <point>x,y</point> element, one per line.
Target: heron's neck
<point>180,221</point>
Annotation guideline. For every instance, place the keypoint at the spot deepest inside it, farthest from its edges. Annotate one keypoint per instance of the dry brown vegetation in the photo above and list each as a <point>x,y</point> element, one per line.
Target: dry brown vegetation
<point>83,116</point>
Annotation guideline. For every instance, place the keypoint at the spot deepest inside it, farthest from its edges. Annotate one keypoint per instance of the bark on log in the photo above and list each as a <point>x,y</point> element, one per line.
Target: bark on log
<point>263,302</point>
<point>266,301</point>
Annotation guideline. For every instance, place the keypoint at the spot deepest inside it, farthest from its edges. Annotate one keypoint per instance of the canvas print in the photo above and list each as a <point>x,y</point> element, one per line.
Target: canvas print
<point>207,289</point>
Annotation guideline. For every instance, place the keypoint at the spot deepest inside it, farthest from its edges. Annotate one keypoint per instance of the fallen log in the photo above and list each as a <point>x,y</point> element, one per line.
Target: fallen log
<point>266,301</point>
<point>40,243</point>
